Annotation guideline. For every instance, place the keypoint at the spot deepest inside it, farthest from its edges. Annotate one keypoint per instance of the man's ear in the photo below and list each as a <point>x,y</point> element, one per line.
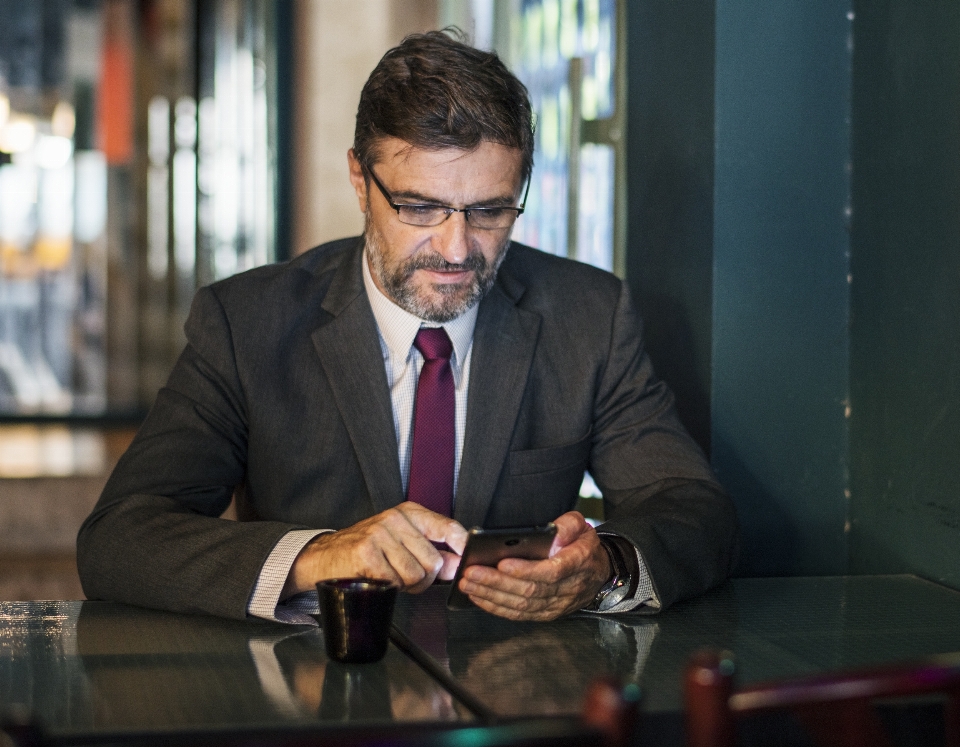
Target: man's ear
<point>357,179</point>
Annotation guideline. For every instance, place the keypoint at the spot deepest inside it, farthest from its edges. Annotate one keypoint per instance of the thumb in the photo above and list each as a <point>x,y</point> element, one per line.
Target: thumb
<point>570,527</point>
<point>451,562</point>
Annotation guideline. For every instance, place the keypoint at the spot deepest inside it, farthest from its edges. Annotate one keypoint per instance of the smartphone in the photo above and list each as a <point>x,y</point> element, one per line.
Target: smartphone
<point>490,546</point>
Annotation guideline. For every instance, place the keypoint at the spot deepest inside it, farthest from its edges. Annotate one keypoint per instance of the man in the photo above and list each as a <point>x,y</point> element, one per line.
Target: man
<point>431,360</point>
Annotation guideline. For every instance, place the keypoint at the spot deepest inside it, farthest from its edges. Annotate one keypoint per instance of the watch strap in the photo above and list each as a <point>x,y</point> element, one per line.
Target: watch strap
<point>620,577</point>
<point>628,554</point>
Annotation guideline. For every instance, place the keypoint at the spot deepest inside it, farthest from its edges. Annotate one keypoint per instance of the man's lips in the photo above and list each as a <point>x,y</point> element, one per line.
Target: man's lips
<point>447,276</point>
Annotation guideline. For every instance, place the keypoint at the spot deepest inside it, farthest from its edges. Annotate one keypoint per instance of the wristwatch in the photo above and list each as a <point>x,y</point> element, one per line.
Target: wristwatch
<point>616,589</point>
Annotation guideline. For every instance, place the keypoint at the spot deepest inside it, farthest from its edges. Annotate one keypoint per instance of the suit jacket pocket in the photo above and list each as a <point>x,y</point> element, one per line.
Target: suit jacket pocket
<point>540,484</point>
<point>538,461</point>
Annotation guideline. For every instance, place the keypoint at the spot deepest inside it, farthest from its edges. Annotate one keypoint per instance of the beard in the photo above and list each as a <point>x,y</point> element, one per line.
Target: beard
<point>447,301</point>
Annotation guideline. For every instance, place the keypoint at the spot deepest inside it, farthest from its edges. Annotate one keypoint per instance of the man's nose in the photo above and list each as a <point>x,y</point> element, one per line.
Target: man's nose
<point>450,239</point>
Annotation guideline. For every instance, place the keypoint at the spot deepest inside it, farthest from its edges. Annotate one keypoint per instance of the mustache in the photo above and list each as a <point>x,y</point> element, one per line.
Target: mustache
<point>476,262</point>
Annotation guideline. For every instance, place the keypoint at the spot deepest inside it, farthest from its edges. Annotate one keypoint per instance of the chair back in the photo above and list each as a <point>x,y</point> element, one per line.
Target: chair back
<point>836,709</point>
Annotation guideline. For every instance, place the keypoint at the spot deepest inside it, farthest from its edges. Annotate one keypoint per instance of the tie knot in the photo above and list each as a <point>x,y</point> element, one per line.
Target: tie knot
<point>433,343</point>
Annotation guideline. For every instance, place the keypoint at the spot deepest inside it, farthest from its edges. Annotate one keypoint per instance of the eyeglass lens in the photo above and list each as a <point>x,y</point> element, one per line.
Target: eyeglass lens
<point>429,215</point>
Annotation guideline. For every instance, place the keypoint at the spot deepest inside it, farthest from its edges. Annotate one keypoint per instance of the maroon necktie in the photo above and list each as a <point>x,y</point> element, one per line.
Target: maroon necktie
<point>431,463</point>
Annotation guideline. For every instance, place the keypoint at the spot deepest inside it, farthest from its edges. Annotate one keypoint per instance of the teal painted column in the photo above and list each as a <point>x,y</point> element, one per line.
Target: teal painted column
<point>905,362</point>
<point>781,294</point>
<point>670,194</point>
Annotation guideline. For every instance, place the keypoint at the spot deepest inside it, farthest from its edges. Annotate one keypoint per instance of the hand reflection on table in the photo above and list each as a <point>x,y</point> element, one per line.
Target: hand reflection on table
<point>546,669</point>
<point>307,684</point>
<point>534,667</point>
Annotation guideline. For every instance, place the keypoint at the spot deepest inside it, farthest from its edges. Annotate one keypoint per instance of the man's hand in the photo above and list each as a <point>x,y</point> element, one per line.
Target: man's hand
<point>568,580</point>
<point>394,546</point>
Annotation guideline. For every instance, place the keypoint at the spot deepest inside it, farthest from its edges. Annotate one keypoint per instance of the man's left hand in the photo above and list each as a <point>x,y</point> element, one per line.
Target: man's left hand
<point>568,580</point>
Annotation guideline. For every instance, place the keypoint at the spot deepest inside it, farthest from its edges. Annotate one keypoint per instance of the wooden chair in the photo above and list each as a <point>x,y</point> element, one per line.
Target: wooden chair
<point>836,709</point>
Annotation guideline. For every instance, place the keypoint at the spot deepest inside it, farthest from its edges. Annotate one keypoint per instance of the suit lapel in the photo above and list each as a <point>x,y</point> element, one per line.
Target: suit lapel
<point>503,346</point>
<point>349,351</point>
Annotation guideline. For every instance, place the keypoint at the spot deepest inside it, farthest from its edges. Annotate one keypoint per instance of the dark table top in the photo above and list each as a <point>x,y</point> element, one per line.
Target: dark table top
<point>99,667</point>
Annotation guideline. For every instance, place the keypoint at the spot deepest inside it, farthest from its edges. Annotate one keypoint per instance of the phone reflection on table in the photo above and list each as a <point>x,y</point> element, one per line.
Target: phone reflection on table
<point>299,678</point>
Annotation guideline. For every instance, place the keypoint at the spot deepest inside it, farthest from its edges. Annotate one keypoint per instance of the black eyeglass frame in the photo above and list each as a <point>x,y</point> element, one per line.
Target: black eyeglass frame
<point>446,208</point>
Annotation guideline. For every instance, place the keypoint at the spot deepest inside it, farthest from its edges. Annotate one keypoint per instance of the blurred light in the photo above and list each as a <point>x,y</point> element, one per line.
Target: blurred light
<point>64,120</point>
<point>551,33</point>
<point>595,224</point>
<point>21,452</point>
<point>482,12</point>
<point>226,198</point>
<point>18,193</point>
<point>89,452</point>
<point>52,252</point>
<point>90,195</point>
<point>207,169</point>
<point>55,216</point>
<point>185,210</point>
<point>17,134</point>
<point>53,151</point>
<point>158,233</point>
<point>185,123</point>
<point>158,186</point>
<point>50,451</point>
<point>158,130</point>
<point>591,25</point>
<point>185,186</point>
<point>569,31</point>
<point>56,452</point>
<point>4,109</point>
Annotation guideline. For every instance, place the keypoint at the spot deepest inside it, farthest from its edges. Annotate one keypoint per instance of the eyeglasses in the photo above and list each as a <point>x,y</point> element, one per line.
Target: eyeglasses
<point>434,215</point>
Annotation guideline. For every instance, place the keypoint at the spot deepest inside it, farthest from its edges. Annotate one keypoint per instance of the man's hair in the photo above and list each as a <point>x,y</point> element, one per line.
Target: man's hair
<point>434,91</point>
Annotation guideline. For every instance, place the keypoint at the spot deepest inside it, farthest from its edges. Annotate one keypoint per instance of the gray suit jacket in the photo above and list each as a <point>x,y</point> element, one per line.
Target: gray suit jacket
<point>281,396</point>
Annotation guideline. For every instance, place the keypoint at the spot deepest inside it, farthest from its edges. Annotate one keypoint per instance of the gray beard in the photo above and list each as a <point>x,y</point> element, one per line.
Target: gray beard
<point>454,299</point>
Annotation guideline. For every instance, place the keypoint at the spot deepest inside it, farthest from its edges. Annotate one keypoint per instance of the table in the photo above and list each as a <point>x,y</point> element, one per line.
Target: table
<point>97,668</point>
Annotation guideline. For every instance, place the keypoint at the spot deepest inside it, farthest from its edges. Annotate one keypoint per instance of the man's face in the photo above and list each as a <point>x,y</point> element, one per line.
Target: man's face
<point>436,272</point>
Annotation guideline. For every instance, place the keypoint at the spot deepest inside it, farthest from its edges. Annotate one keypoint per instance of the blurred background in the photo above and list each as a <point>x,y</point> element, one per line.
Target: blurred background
<point>150,147</point>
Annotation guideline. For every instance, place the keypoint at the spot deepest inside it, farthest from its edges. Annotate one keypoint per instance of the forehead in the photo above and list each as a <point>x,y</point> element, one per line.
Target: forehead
<point>490,167</point>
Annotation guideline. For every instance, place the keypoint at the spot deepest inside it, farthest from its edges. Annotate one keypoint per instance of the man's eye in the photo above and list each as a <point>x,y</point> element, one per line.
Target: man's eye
<point>421,211</point>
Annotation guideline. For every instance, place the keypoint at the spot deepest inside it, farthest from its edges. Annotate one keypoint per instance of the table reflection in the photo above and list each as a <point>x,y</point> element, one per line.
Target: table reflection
<point>519,669</point>
<point>300,681</point>
<point>99,667</point>
<point>80,668</point>
<point>776,627</point>
<point>40,672</point>
<point>542,667</point>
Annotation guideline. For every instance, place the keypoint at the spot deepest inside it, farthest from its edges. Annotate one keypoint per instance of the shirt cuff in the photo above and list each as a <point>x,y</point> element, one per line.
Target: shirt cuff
<point>645,594</point>
<point>265,599</point>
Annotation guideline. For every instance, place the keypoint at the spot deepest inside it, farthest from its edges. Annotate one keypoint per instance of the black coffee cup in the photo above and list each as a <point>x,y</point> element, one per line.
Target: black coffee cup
<point>355,614</point>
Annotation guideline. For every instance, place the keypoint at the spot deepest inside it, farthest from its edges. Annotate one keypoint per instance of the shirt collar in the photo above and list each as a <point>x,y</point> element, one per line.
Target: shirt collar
<point>398,326</point>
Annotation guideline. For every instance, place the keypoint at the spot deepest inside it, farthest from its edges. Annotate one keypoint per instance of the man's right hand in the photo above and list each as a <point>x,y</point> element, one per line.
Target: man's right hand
<point>394,546</point>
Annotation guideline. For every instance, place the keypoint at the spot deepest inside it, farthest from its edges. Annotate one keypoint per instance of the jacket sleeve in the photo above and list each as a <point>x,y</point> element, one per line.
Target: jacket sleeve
<point>155,538</point>
<point>659,491</point>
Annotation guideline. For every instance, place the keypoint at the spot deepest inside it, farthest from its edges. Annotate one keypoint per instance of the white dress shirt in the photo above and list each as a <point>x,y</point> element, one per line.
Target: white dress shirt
<point>397,329</point>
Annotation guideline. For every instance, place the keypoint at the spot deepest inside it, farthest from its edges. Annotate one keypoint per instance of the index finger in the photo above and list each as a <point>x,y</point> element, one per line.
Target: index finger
<point>435,527</point>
